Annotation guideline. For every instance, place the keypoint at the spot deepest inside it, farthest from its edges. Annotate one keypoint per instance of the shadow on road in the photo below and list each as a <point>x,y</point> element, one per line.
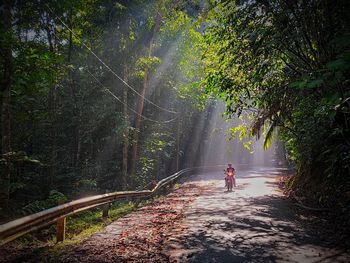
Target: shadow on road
<point>241,227</point>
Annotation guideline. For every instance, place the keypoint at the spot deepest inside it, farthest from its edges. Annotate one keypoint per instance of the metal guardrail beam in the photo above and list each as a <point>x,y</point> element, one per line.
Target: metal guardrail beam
<point>24,225</point>
<point>19,227</point>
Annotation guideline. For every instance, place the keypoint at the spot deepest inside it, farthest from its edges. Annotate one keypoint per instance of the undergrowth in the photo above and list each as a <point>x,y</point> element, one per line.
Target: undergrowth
<point>79,226</point>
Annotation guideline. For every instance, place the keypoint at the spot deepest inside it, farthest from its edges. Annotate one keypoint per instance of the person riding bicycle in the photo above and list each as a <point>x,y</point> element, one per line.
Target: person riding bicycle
<point>230,174</point>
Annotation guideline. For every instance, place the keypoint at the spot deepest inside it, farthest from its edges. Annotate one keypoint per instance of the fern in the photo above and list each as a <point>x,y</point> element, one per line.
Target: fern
<point>268,135</point>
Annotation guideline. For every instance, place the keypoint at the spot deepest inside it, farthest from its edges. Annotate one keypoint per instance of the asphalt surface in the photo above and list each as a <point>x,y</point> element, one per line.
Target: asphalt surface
<point>202,222</point>
<point>254,223</point>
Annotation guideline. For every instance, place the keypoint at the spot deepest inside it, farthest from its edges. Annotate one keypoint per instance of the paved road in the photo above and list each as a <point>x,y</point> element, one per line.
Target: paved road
<point>201,222</point>
<point>255,223</point>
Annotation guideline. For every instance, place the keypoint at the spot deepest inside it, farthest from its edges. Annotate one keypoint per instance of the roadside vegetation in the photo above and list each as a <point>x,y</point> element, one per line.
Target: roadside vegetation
<point>283,67</point>
<point>107,95</point>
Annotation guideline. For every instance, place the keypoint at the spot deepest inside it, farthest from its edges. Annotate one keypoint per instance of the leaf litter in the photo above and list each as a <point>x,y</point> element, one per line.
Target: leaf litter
<point>139,236</point>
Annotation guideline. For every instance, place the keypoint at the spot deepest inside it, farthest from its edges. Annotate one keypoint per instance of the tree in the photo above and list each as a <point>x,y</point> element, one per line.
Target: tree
<point>75,68</point>
<point>6,89</point>
<point>283,64</point>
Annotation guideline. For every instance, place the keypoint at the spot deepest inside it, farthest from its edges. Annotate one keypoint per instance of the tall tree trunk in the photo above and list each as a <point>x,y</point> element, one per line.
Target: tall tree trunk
<point>51,109</point>
<point>49,29</point>
<point>125,134</point>
<point>6,102</point>
<point>53,134</point>
<point>137,124</point>
<point>178,145</point>
<point>139,110</point>
<point>70,36</point>
<point>76,151</point>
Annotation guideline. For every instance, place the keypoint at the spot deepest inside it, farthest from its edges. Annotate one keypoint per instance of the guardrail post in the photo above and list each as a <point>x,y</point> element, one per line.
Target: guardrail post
<point>14,229</point>
<point>105,210</point>
<point>136,201</point>
<point>61,229</point>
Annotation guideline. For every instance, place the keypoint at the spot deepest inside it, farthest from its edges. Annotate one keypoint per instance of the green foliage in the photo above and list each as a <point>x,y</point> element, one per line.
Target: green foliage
<point>79,227</point>
<point>268,134</point>
<point>287,64</point>
<point>55,198</point>
<point>158,146</point>
<point>68,128</point>
<point>145,65</point>
<point>175,23</point>
<point>244,134</point>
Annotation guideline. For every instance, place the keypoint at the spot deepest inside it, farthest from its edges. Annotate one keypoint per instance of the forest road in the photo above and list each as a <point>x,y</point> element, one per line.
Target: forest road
<point>201,222</point>
<point>254,223</point>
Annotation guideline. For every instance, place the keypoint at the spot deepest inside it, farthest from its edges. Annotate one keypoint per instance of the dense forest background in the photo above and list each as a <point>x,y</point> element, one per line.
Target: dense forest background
<point>96,97</point>
<point>104,95</point>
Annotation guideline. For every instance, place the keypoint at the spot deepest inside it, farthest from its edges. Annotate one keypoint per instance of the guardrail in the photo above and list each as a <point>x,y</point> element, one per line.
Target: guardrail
<point>24,225</point>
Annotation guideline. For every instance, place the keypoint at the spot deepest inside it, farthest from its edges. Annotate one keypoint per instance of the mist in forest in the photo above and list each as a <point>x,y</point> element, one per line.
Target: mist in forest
<point>219,147</point>
<point>115,107</point>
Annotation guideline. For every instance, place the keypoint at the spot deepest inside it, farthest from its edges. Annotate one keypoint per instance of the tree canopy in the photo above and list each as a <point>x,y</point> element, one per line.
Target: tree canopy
<point>83,97</point>
<point>103,95</point>
<point>284,65</point>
